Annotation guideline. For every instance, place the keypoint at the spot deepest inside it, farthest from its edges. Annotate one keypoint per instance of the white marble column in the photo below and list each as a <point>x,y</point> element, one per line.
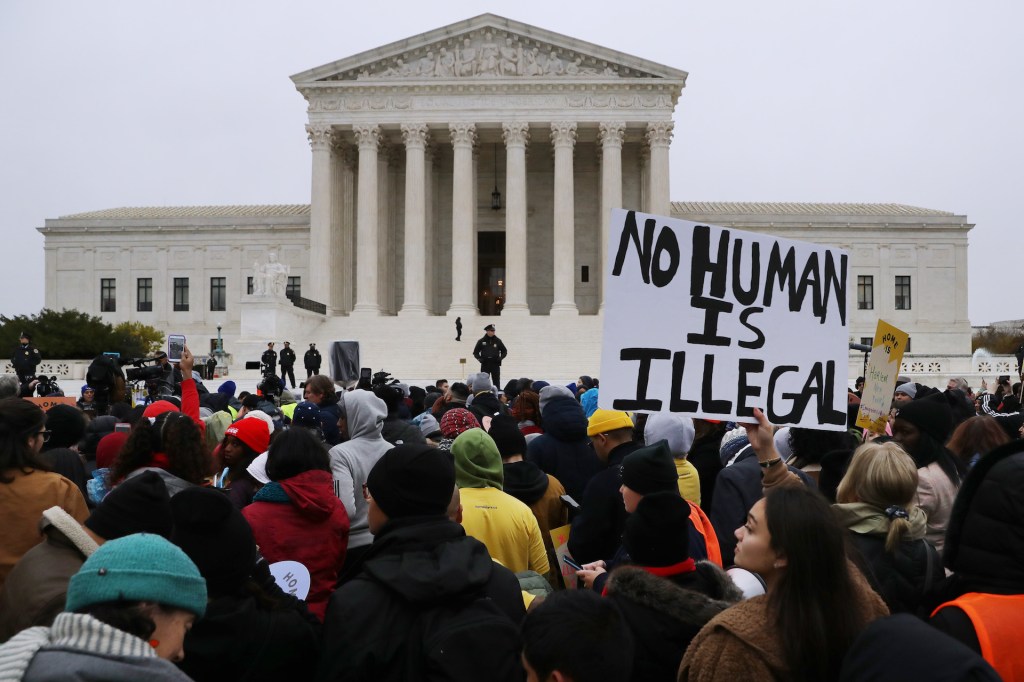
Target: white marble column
<point>320,211</point>
<point>516,136</point>
<point>368,139</point>
<point>415,137</point>
<point>342,259</point>
<point>563,137</point>
<point>463,211</point>
<point>659,137</point>
<point>610,136</point>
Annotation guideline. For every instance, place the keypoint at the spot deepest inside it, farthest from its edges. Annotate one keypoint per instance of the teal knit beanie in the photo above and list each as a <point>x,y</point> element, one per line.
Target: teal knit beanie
<point>477,461</point>
<point>139,567</point>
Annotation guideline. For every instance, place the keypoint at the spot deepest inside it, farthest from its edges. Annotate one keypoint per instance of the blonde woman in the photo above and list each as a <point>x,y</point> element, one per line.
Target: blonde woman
<point>876,504</point>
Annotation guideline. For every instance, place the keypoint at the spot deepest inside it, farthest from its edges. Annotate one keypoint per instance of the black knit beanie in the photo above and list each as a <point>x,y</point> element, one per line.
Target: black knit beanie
<point>930,416</point>
<point>139,505</point>
<point>412,480</point>
<point>66,425</point>
<point>506,434</point>
<point>215,536</point>
<point>657,533</point>
<point>650,469</point>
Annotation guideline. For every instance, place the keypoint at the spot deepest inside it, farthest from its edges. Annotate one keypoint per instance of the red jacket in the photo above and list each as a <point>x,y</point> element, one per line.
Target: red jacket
<point>300,519</point>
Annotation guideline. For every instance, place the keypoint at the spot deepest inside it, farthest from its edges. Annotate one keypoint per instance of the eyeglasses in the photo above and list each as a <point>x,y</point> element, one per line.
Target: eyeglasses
<point>366,493</point>
<point>45,434</point>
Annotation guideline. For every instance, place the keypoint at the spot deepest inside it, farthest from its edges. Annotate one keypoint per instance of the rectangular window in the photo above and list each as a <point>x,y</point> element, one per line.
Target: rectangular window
<point>248,285</point>
<point>865,292</point>
<point>144,294</point>
<point>907,349</point>
<point>902,292</point>
<point>294,288</point>
<point>180,294</point>
<point>108,295</point>
<point>585,273</point>
<point>218,293</point>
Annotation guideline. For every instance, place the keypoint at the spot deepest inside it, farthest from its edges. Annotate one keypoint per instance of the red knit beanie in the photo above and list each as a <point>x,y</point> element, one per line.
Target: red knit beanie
<point>108,447</point>
<point>253,432</point>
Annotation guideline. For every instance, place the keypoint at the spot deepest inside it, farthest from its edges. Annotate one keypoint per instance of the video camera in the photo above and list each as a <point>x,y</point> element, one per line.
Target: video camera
<point>47,386</point>
<point>269,385</point>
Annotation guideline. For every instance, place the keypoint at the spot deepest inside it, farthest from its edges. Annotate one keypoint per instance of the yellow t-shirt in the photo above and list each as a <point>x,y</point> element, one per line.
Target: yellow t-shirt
<point>689,481</point>
<point>506,526</point>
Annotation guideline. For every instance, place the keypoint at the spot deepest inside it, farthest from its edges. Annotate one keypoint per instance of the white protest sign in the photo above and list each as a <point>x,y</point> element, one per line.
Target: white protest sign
<point>713,322</point>
<point>292,577</point>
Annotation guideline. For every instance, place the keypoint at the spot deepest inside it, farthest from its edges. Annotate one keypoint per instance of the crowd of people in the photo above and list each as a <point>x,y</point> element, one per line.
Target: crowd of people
<point>397,532</point>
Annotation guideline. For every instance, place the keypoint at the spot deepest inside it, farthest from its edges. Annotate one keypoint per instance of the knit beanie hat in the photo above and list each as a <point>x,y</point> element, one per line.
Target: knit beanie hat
<point>412,480</point>
<point>603,421</point>
<point>932,417</point>
<point>306,414</point>
<point>215,535</point>
<point>140,567</point>
<point>156,409</point>
<point>253,432</point>
<point>657,533</point>
<point>427,424</point>
<point>650,470</point>
<point>108,448</point>
<point>733,442</point>
<point>482,382</point>
<point>258,468</point>
<point>227,388</point>
<point>677,429</point>
<point>456,421</point>
<point>477,461</point>
<point>908,388</point>
<point>139,505</point>
<point>536,386</point>
<point>548,393</point>
<point>262,416</point>
<point>66,425</point>
<point>507,436</point>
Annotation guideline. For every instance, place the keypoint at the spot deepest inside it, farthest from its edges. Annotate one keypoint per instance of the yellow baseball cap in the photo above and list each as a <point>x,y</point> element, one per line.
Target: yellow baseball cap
<point>603,421</point>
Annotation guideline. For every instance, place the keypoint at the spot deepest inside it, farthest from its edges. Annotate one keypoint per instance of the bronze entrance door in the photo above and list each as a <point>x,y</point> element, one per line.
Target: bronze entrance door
<point>490,258</point>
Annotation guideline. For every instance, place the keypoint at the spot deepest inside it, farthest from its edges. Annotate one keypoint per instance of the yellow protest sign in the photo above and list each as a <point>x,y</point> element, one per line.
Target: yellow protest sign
<point>880,379</point>
<point>560,541</point>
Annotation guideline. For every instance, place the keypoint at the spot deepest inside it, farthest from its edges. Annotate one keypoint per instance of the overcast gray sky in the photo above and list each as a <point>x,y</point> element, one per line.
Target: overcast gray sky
<point>919,102</point>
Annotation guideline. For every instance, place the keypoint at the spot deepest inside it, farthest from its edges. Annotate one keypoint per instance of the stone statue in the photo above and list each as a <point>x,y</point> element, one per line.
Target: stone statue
<point>554,65</point>
<point>466,59</point>
<point>445,64</point>
<point>426,64</point>
<point>270,278</point>
<point>488,65</point>
<point>509,63</point>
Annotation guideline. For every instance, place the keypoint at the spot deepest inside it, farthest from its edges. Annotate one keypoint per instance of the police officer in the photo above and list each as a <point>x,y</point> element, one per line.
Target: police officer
<point>25,359</point>
<point>287,363</point>
<point>311,360</point>
<point>269,360</point>
<point>490,351</point>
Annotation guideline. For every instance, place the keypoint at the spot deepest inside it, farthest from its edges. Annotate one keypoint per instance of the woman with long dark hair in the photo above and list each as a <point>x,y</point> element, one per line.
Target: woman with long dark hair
<point>173,446</point>
<point>27,487</point>
<point>816,602</point>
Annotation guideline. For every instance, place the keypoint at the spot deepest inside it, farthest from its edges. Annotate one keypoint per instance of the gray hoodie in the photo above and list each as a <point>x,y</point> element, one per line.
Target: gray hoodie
<point>352,460</point>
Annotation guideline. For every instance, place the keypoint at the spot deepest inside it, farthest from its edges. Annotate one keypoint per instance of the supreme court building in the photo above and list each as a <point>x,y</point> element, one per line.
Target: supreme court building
<point>470,172</point>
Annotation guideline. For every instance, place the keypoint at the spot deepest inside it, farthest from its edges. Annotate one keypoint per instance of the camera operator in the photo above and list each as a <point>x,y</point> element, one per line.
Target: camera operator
<point>169,381</point>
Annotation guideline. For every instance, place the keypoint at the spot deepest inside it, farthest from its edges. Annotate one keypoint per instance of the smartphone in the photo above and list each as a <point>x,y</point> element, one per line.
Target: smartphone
<point>122,428</point>
<point>175,347</point>
<point>569,502</point>
<point>571,563</point>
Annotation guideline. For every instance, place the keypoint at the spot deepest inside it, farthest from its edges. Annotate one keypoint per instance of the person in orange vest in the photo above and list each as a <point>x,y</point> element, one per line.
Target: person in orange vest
<point>983,602</point>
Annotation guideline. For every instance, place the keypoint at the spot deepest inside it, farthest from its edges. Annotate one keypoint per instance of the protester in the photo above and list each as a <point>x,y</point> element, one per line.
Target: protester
<point>678,432</point>
<point>564,450</point>
<point>321,391</point>
<point>172,446</point>
<point>455,422</point>
<point>128,609</point>
<point>974,437</point>
<point>297,516</point>
<point>243,441</point>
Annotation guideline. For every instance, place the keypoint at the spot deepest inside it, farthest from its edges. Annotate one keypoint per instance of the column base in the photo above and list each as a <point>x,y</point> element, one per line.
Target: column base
<point>515,310</point>
<point>460,309</point>
<point>564,309</point>
<point>413,310</point>
<point>365,310</point>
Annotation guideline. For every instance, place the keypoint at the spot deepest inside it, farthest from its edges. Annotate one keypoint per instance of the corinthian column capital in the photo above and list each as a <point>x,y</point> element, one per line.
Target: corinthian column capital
<point>611,134</point>
<point>659,133</point>
<point>367,136</point>
<point>463,134</point>
<point>563,133</point>
<point>320,135</point>
<point>415,135</point>
<point>515,134</point>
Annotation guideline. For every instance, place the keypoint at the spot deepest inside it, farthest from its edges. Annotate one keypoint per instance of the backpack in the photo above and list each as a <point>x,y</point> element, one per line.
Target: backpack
<point>471,639</point>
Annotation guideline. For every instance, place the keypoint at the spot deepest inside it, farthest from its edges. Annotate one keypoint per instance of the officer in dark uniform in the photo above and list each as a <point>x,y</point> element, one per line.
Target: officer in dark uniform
<point>287,363</point>
<point>490,351</point>
<point>25,359</point>
<point>311,360</point>
<point>269,360</point>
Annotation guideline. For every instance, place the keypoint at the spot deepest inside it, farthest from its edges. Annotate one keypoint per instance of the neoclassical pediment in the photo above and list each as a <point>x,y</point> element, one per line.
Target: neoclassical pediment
<point>487,47</point>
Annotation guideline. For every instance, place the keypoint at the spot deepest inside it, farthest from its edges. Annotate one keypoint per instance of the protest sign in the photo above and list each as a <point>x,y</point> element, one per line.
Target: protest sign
<point>560,541</point>
<point>47,403</point>
<point>714,322</point>
<point>880,377</point>
<point>292,577</point>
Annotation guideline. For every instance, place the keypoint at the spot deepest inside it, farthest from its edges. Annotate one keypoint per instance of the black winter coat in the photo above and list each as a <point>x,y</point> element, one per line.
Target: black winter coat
<point>413,564</point>
<point>597,530</point>
<point>287,357</point>
<point>486,404</point>
<point>901,578</point>
<point>564,450</point>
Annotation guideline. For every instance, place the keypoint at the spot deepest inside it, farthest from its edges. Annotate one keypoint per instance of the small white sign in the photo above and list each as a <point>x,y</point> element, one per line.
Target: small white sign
<point>292,577</point>
<point>713,322</point>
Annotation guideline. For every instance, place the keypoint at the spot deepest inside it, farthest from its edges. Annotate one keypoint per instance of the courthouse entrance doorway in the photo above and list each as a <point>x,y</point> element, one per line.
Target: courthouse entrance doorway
<point>490,259</point>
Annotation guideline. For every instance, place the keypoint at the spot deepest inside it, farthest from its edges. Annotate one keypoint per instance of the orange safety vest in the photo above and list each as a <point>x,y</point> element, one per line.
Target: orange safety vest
<point>997,620</point>
<point>703,525</point>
